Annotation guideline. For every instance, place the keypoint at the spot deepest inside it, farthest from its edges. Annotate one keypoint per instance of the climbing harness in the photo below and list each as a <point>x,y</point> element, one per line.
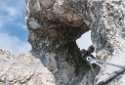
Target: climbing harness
<point>98,62</point>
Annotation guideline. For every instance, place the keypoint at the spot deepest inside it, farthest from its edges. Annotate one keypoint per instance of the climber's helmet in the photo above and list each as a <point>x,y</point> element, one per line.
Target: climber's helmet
<point>82,51</point>
<point>91,49</point>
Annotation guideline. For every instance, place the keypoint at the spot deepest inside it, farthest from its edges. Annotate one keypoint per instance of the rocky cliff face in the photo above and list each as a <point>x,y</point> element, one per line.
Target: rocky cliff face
<point>55,59</point>
<point>108,37</point>
<point>5,56</point>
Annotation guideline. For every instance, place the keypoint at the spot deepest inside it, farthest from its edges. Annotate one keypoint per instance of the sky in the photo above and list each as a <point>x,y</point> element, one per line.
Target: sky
<point>13,32</point>
<point>84,41</point>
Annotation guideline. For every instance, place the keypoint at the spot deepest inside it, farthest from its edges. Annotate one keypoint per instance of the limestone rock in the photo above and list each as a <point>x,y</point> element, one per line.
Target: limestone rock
<point>5,56</point>
<point>55,59</point>
<point>107,35</point>
<point>25,70</point>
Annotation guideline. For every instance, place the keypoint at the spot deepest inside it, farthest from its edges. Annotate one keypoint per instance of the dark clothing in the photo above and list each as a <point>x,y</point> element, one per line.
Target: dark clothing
<point>86,54</point>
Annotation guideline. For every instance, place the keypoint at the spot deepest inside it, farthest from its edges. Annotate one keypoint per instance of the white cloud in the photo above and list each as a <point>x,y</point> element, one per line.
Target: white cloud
<point>9,12</point>
<point>24,47</point>
<point>13,43</point>
<point>12,11</point>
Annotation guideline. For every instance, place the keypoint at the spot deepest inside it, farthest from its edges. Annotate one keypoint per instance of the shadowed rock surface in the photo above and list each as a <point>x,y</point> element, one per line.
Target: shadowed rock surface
<point>55,59</point>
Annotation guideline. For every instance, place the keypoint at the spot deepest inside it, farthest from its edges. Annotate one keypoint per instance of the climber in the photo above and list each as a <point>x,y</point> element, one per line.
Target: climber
<point>88,57</point>
<point>86,53</point>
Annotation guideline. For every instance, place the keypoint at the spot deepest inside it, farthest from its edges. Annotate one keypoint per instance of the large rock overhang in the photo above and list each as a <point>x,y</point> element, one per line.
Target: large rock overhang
<point>55,19</point>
